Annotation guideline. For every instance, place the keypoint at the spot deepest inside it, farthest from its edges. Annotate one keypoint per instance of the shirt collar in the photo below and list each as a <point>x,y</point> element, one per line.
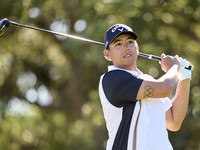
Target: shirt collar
<point>136,73</point>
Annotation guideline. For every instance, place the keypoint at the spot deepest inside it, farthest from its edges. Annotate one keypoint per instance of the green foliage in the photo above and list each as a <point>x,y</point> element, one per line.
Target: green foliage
<point>49,86</point>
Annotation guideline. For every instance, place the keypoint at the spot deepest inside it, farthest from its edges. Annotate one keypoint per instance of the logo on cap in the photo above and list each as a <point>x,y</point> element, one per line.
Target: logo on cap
<point>117,27</point>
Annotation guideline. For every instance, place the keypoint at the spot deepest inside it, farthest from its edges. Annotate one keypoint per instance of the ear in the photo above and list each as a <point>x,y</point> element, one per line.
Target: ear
<point>107,55</point>
<point>137,46</point>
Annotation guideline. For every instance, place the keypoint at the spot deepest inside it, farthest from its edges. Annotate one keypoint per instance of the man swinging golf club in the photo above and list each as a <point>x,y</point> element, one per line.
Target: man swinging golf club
<point>135,105</point>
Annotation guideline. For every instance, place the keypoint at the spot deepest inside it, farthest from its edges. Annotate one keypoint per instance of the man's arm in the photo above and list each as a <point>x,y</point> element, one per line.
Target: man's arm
<point>176,114</point>
<point>164,86</point>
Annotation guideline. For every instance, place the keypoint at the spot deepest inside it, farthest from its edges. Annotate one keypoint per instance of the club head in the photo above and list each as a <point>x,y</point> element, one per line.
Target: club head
<point>4,24</point>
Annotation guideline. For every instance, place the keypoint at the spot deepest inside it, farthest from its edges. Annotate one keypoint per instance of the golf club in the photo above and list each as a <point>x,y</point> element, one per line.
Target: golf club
<point>5,23</point>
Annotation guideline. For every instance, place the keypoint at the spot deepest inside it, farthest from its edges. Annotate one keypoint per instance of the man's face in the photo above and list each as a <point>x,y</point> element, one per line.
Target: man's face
<point>123,52</point>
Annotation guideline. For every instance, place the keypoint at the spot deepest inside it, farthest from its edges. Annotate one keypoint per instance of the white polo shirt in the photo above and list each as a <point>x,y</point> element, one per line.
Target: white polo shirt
<point>132,124</point>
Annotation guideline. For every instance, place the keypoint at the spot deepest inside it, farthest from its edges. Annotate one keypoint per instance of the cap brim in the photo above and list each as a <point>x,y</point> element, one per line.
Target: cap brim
<point>134,35</point>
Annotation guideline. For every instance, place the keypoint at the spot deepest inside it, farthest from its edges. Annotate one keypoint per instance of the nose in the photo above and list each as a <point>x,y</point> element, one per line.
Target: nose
<point>126,47</point>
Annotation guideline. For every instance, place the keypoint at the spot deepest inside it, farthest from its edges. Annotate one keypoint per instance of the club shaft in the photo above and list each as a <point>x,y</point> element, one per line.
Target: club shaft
<point>79,38</point>
<point>83,39</point>
<point>150,56</point>
<point>57,33</point>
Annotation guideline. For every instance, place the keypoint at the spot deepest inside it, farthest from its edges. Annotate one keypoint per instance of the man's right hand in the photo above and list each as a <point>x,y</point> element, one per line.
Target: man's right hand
<point>168,61</point>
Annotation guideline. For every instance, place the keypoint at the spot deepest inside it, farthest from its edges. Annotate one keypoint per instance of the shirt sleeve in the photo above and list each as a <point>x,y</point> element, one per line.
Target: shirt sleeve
<point>168,103</point>
<point>120,87</point>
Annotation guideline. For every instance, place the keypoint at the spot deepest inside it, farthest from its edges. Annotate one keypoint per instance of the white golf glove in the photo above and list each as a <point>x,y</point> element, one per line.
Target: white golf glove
<point>184,73</point>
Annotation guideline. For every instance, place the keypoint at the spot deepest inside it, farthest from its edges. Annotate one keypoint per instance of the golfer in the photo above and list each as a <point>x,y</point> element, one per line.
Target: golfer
<point>136,106</point>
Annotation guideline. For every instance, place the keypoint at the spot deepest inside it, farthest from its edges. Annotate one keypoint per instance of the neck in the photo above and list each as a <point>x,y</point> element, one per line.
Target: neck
<point>131,68</point>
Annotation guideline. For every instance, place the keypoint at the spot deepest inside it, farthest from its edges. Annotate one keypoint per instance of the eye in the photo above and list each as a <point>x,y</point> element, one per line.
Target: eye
<point>131,41</point>
<point>118,44</point>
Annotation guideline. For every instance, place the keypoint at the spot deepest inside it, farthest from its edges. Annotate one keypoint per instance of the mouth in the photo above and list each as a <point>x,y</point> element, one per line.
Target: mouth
<point>127,55</point>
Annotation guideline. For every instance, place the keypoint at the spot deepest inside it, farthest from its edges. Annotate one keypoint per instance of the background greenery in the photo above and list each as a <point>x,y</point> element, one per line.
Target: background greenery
<point>49,85</point>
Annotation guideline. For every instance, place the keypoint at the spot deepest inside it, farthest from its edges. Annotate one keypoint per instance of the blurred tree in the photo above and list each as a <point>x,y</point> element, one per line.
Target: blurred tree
<point>49,84</point>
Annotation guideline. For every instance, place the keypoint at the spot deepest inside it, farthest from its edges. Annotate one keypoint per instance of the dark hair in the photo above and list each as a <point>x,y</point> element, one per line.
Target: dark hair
<point>108,47</point>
